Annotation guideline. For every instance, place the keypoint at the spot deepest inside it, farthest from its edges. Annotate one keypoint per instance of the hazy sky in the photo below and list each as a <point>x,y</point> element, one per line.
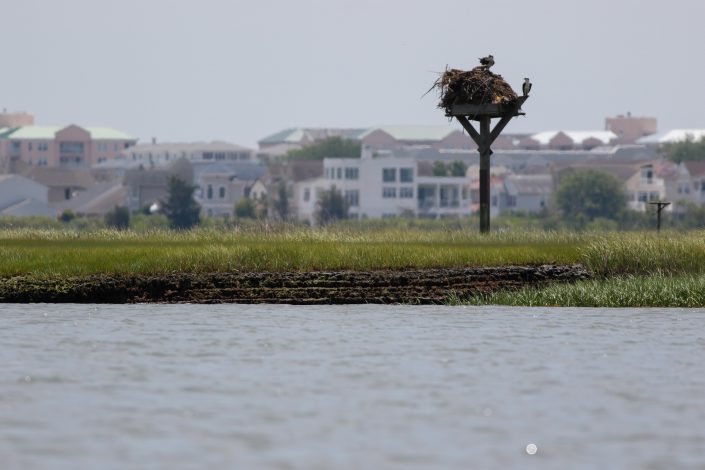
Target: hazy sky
<point>239,70</point>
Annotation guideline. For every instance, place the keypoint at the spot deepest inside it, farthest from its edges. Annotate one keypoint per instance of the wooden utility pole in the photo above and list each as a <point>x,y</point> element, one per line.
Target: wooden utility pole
<point>483,113</point>
<point>659,207</point>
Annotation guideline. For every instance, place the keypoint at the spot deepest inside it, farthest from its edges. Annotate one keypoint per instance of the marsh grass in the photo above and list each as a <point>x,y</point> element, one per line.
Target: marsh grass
<point>49,253</point>
<point>646,253</point>
<point>620,291</point>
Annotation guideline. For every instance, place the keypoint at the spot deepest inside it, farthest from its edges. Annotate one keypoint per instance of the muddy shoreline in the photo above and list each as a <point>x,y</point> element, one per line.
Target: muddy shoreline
<point>425,286</point>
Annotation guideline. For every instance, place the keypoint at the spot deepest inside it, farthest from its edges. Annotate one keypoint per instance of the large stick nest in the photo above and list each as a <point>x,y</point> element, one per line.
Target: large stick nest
<point>477,86</point>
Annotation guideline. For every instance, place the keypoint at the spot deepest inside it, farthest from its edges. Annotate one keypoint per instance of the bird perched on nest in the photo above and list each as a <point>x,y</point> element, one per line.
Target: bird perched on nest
<point>487,62</point>
<point>526,87</point>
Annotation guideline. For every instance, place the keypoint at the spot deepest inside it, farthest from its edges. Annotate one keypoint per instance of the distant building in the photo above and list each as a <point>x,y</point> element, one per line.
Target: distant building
<point>148,186</point>
<point>385,186</point>
<point>67,147</point>
<point>63,183</point>
<point>96,201</point>
<point>22,197</point>
<point>571,140</point>
<point>383,137</point>
<point>162,154</point>
<point>221,186</point>
<point>398,137</point>
<point>629,128</point>
<point>527,193</point>
<point>673,136</point>
<point>280,143</point>
<point>16,119</point>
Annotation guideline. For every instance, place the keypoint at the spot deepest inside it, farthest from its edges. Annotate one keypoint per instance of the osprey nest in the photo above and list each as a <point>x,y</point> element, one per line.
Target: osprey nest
<point>477,86</point>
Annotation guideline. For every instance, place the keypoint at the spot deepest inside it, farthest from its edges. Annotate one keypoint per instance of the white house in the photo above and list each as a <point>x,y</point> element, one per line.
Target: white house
<point>305,197</point>
<point>384,186</point>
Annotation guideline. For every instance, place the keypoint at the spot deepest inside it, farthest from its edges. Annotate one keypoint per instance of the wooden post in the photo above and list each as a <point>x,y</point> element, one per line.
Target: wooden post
<point>659,207</point>
<point>485,153</point>
<point>484,139</point>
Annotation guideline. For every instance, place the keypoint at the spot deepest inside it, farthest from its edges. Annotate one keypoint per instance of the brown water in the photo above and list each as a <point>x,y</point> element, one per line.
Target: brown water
<point>232,386</point>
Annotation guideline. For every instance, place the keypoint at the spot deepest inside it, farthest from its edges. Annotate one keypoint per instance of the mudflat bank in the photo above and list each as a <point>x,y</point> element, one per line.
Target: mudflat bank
<point>416,286</point>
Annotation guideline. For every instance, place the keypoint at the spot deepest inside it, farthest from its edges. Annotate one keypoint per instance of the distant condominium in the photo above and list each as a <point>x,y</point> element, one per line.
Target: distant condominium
<point>24,144</point>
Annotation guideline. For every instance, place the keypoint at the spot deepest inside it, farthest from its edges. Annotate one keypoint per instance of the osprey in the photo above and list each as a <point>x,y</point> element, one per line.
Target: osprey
<point>526,87</point>
<point>487,62</point>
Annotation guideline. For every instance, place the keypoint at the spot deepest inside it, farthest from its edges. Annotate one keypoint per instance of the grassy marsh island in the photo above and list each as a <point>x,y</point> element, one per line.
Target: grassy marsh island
<point>423,265</point>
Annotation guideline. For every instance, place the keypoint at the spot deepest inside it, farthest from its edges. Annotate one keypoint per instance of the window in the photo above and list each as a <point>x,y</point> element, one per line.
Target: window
<point>71,148</point>
<point>647,173</point>
<point>449,197</point>
<point>406,175</point>
<point>340,173</point>
<point>389,175</point>
<point>42,146</point>
<point>389,192</point>
<point>29,146</point>
<point>512,201</point>
<point>406,192</point>
<point>352,197</point>
<point>209,192</point>
<point>221,192</point>
<point>643,197</point>
<point>655,196</point>
<point>307,194</point>
<point>352,173</point>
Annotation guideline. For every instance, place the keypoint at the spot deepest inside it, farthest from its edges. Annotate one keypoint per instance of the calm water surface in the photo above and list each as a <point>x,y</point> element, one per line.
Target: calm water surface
<point>229,386</point>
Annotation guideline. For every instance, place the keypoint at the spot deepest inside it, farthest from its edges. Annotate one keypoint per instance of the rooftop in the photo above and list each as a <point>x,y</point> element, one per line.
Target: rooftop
<point>674,135</point>
<point>576,136</point>
<point>300,134</point>
<point>215,146</point>
<point>414,133</point>
<point>49,133</point>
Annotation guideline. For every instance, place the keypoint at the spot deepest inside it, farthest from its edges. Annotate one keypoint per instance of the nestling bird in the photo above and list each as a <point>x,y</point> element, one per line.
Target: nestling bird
<point>487,62</point>
<point>526,87</point>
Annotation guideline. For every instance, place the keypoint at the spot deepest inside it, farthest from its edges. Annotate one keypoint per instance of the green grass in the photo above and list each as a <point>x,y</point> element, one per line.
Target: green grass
<point>620,291</point>
<point>46,253</point>
<point>631,269</point>
<point>51,253</point>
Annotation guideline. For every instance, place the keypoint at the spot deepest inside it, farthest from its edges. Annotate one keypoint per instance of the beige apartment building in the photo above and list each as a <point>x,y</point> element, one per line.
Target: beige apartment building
<point>23,144</point>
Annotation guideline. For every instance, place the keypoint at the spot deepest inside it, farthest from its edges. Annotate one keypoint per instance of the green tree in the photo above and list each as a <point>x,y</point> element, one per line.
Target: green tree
<point>245,209</point>
<point>331,206</point>
<point>333,147</point>
<point>458,168</point>
<point>281,203</point>
<point>181,208</point>
<point>440,169</point>
<point>688,150</point>
<point>585,195</point>
<point>118,218</point>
